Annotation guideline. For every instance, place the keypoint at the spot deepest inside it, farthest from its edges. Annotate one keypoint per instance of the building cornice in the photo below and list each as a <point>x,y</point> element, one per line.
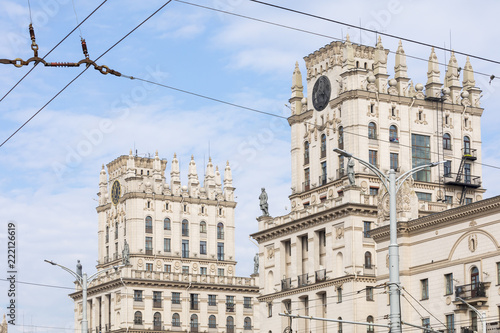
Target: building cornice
<point>443,218</point>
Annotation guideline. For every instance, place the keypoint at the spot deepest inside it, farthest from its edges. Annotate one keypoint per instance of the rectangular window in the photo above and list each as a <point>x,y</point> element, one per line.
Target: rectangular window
<point>426,322</point>
<point>247,302</point>
<point>448,199</point>
<point>185,248</point>
<point>166,224</point>
<point>138,295</point>
<point>323,178</point>
<point>220,271</point>
<point>341,172</point>
<point>339,295</point>
<point>167,268</point>
<point>424,196</point>
<point>421,155</point>
<point>369,293</point>
<point>467,173</point>
<point>149,267</point>
<point>372,157</point>
<point>149,245</point>
<point>212,300</point>
<point>394,161</point>
<point>448,281</point>
<point>270,309</point>
<point>307,180</point>
<point>498,272</point>
<point>203,247</point>
<point>166,245</point>
<point>447,169</point>
<point>176,298</point>
<point>367,226</point>
<point>156,299</point>
<point>229,303</point>
<point>185,269</point>
<point>450,323</point>
<point>468,201</point>
<point>193,301</point>
<point>373,190</point>
<point>220,251</point>
<point>424,286</point>
<point>203,270</point>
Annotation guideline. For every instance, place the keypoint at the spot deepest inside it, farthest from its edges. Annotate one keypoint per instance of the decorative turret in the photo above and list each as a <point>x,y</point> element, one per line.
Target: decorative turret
<point>400,70</point>
<point>433,86</point>
<point>348,55</point>
<point>193,183</point>
<point>380,66</point>
<point>157,174</point>
<point>209,182</point>
<point>103,186</point>
<point>468,81</point>
<point>130,164</point>
<point>451,79</point>
<point>228,183</point>
<point>218,182</point>
<point>297,90</point>
<point>175,179</point>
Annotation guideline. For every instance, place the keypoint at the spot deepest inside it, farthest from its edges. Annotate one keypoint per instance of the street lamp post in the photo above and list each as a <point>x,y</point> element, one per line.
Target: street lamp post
<point>481,316</point>
<point>392,185</point>
<point>83,281</point>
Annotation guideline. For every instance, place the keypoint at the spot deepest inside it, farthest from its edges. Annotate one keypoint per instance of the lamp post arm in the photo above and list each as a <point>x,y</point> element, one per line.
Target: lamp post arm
<point>479,314</point>
<point>401,179</point>
<point>377,172</point>
<point>92,277</point>
<point>78,277</point>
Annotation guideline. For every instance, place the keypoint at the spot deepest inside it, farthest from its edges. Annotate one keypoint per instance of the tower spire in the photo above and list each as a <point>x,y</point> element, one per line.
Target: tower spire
<point>297,90</point>
<point>433,86</point>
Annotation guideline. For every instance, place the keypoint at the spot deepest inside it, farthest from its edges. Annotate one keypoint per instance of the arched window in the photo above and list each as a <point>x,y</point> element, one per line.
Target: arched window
<point>166,224</point>
<point>323,145</point>
<point>368,259</point>
<point>369,328</point>
<point>203,227</point>
<point>341,137</point>
<point>157,321</point>
<point>212,322</point>
<point>446,141</point>
<point>194,323</point>
<point>230,324</point>
<point>466,145</point>
<point>306,152</point>
<point>474,281</point>
<point>220,230</point>
<point>340,325</point>
<point>247,323</point>
<point>372,131</point>
<point>176,320</point>
<point>185,228</point>
<point>393,134</point>
<point>138,318</point>
<point>149,224</point>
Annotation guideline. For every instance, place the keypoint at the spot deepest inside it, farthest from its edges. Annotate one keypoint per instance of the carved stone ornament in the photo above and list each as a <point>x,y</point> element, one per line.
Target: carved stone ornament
<point>387,260</point>
<point>339,231</point>
<point>321,93</point>
<point>139,263</point>
<point>158,263</point>
<point>473,242</point>
<point>472,223</point>
<point>270,252</point>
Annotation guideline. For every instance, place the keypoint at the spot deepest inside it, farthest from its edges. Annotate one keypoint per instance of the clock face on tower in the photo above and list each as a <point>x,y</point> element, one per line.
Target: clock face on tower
<point>116,191</point>
<point>321,93</point>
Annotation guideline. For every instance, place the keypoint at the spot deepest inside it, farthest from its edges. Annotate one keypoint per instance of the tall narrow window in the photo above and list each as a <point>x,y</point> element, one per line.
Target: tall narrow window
<point>220,230</point>
<point>341,171</point>
<point>149,245</point>
<point>185,228</point>
<point>372,131</point>
<point>157,321</point>
<point>203,227</point>
<point>341,137</point>
<point>370,328</point>
<point>306,152</point>
<point>447,169</point>
<point>339,294</point>
<point>367,226</point>
<point>176,320</point>
<point>323,177</point>
<point>323,145</point>
<point>166,224</point>
<point>194,323</point>
<point>394,161</point>
<point>372,157</point>
<point>393,134</point>
<point>166,245</point>
<point>446,141</point>
<point>421,155</point>
<point>247,323</point>
<point>149,224</point>
<point>368,259</point>
<point>212,322</point>
<point>466,145</point>
<point>107,233</point>
<point>203,247</point>
<point>230,325</point>
<point>220,251</point>
<point>450,323</point>
<point>467,173</point>
<point>424,286</point>
<point>138,318</point>
<point>448,281</point>
<point>185,248</point>
<point>426,322</point>
<point>307,180</point>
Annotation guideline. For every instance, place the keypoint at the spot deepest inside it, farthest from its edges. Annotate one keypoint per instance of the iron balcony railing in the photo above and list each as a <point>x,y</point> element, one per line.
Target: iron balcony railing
<point>468,291</point>
<point>286,284</point>
<point>303,280</point>
<point>320,275</point>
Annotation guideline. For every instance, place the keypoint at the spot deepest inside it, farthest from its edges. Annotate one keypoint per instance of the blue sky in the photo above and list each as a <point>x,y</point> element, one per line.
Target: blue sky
<point>50,169</point>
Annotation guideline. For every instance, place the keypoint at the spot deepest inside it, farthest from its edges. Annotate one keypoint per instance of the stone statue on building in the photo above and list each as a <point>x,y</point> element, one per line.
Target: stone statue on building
<point>79,269</point>
<point>263,203</point>
<point>3,326</point>
<point>126,254</point>
<point>256,264</point>
<point>350,172</point>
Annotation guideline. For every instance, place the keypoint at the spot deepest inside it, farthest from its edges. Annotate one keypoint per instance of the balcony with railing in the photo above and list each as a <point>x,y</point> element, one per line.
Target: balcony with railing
<point>453,178</point>
<point>194,305</point>
<point>469,154</point>
<point>472,293</point>
<point>157,325</point>
<point>302,280</point>
<point>230,328</point>
<point>320,275</point>
<point>286,284</point>
<point>306,186</point>
<point>230,307</point>
<point>194,328</point>
<point>322,180</point>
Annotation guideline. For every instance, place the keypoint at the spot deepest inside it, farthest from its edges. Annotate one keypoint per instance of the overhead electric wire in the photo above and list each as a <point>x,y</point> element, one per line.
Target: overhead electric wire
<point>423,307</point>
<point>62,40</point>
<point>314,33</point>
<point>76,77</point>
<point>40,284</point>
<point>375,31</point>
